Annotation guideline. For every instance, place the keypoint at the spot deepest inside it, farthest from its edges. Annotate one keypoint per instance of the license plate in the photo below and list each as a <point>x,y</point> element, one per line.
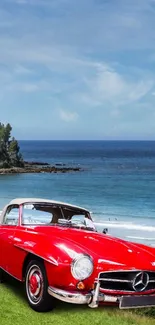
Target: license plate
<point>136,302</point>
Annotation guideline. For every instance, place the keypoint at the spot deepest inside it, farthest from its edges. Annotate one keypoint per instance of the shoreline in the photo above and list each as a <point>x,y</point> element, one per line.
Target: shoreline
<point>38,168</point>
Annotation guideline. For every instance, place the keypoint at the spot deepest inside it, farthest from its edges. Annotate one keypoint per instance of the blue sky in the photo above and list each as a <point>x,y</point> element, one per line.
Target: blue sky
<point>78,69</point>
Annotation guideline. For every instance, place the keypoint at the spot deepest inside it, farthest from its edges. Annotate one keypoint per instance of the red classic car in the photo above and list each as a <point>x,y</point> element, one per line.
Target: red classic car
<point>56,251</point>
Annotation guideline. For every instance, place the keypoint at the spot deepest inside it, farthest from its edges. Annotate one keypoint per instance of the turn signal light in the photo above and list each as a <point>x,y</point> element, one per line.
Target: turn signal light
<point>80,285</point>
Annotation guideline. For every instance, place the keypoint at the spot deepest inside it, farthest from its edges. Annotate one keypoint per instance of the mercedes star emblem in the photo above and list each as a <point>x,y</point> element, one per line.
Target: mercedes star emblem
<point>140,281</point>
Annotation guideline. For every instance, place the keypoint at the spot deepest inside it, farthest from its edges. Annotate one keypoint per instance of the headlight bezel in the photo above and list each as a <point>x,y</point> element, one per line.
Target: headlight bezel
<point>74,264</point>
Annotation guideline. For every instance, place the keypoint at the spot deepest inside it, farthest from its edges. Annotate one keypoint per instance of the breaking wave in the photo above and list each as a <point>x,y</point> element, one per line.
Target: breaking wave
<point>141,233</point>
<point>129,226</point>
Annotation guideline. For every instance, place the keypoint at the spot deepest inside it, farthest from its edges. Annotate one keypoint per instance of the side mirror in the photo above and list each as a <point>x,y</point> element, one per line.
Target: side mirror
<point>105,230</point>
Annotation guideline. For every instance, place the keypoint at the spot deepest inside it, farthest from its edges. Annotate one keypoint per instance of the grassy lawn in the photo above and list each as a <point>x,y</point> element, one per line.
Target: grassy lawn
<point>15,311</point>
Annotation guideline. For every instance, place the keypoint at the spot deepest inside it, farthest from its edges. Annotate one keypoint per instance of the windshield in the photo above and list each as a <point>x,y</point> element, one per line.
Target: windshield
<point>49,214</point>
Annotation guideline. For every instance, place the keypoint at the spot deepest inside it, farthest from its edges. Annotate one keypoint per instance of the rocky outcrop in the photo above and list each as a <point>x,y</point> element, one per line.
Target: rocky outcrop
<point>36,167</point>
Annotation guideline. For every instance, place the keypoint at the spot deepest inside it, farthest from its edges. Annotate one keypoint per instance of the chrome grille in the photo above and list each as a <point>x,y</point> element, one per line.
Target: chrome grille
<point>127,281</point>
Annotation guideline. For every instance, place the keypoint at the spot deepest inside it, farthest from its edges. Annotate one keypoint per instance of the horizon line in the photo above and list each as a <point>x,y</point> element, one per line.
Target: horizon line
<point>125,140</point>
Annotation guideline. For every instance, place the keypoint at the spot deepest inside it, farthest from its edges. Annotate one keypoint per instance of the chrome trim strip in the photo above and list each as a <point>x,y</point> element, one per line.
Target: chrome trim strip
<point>71,297</point>
<point>110,298</point>
<point>115,280</point>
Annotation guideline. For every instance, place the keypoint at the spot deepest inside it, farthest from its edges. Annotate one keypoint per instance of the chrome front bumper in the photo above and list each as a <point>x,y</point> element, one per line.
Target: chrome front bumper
<point>93,298</point>
<point>71,297</point>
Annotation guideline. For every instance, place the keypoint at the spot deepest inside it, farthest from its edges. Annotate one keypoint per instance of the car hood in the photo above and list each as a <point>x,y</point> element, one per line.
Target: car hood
<point>114,251</point>
<point>104,249</point>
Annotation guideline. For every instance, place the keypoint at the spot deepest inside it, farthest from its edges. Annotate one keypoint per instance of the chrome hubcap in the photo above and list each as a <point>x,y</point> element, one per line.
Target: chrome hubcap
<point>34,284</point>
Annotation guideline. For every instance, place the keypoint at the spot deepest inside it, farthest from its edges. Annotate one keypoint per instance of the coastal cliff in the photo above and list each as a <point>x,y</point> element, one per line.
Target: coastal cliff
<point>12,162</point>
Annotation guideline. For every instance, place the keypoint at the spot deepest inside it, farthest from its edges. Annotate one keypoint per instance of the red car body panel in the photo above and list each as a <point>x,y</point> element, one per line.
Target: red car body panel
<point>59,245</point>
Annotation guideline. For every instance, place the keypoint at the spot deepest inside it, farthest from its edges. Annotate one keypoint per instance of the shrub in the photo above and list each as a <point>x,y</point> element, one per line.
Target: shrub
<point>10,155</point>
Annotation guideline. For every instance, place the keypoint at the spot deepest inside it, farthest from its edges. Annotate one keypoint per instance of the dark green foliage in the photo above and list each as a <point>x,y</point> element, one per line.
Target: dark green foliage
<point>10,155</point>
<point>147,312</point>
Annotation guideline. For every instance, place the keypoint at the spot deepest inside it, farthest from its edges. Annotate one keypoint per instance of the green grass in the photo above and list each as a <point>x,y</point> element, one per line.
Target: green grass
<point>15,311</point>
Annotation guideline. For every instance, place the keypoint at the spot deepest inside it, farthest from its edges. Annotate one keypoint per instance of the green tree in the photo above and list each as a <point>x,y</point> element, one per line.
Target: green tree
<point>10,155</point>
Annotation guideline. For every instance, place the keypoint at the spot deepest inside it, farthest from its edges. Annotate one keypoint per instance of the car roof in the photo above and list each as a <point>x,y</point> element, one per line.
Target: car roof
<point>20,201</point>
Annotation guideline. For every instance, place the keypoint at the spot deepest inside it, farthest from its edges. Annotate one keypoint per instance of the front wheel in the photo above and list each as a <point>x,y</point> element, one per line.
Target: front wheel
<point>1,276</point>
<point>36,286</point>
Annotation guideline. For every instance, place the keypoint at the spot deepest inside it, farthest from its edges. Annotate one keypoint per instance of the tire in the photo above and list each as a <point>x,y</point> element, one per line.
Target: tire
<point>36,286</point>
<point>1,276</point>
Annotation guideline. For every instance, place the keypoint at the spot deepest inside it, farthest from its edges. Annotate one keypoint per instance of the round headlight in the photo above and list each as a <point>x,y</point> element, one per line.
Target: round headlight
<point>82,267</point>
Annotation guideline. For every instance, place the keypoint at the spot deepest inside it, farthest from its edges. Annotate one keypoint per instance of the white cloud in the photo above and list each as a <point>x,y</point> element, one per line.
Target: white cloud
<point>110,86</point>
<point>65,55</point>
<point>68,116</point>
<point>21,70</point>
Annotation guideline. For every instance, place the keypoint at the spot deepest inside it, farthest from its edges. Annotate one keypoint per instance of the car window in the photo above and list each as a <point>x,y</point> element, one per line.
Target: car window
<point>78,218</point>
<point>32,216</point>
<point>11,216</point>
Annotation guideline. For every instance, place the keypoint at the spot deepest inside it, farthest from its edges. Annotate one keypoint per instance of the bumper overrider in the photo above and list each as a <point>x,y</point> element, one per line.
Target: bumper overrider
<point>95,297</point>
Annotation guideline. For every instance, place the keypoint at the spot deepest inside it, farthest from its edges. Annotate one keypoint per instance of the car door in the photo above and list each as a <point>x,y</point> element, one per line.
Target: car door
<point>7,231</point>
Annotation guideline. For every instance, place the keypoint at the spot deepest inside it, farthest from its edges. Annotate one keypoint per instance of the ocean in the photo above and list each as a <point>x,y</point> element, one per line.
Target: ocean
<point>117,182</point>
